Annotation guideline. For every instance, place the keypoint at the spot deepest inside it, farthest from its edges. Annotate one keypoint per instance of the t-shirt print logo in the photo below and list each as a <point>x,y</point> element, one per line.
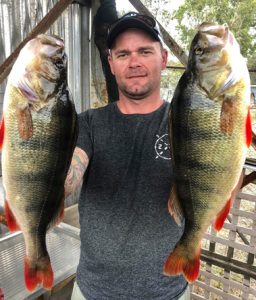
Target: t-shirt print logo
<point>162,147</point>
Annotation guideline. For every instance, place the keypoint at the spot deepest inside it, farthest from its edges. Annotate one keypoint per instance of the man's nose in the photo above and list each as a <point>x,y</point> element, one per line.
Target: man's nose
<point>134,61</point>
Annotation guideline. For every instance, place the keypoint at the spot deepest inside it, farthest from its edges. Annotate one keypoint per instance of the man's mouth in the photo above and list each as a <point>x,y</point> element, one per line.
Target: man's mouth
<point>136,75</point>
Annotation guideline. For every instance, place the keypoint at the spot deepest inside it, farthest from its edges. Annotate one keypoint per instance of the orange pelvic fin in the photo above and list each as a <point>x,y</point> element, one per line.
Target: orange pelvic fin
<point>10,219</point>
<point>174,206</point>
<point>179,263</point>
<point>1,133</point>
<point>57,219</point>
<point>248,129</point>
<point>222,215</point>
<point>39,272</point>
<point>61,213</point>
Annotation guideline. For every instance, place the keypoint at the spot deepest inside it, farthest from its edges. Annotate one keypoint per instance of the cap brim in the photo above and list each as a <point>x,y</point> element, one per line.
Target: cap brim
<point>124,24</point>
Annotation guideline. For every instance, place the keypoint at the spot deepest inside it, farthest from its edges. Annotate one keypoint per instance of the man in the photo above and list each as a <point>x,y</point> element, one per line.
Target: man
<point>126,231</point>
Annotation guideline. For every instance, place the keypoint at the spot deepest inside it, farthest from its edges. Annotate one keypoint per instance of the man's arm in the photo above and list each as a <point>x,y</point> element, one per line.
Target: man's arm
<point>76,171</point>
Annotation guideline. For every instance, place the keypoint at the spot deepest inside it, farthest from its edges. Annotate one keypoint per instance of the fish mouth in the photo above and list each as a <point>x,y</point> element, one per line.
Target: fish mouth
<point>218,34</point>
<point>50,44</point>
<point>51,40</point>
<point>40,67</point>
<point>213,29</point>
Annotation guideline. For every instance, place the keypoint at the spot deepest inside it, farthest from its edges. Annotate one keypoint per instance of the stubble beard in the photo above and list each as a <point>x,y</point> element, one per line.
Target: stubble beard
<point>136,94</point>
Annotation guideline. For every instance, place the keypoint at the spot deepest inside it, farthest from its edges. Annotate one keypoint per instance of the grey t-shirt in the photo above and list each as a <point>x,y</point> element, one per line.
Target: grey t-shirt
<point>126,230</point>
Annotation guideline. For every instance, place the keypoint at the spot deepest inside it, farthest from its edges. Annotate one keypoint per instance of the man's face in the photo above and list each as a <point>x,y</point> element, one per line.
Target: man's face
<point>136,60</point>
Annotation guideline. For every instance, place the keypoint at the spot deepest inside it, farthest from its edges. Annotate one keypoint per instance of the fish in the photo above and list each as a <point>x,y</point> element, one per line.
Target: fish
<point>37,136</point>
<point>210,132</point>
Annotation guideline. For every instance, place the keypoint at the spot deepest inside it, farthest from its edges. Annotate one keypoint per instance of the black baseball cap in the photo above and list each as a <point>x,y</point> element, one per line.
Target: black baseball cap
<point>134,20</point>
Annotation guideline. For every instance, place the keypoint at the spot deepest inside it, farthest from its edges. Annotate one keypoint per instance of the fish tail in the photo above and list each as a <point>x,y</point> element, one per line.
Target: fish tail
<point>38,272</point>
<point>179,262</point>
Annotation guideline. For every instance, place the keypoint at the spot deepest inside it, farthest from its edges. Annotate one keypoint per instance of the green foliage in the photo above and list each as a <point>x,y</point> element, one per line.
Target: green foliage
<point>240,15</point>
<point>170,78</point>
<point>157,8</point>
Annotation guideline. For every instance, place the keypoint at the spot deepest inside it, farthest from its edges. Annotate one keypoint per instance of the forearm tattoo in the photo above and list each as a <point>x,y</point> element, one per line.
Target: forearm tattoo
<point>76,171</point>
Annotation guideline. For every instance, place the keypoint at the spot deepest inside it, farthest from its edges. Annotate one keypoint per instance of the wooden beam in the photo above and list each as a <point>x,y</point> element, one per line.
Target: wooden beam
<point>228,263</point>
<point>254,140</point>
<point>169,41</point>
<point>41,27</point>
<point>249,178</point>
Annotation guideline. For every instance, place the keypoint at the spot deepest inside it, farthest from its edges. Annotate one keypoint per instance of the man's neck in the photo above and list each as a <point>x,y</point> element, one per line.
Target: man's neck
<point>145,106</point>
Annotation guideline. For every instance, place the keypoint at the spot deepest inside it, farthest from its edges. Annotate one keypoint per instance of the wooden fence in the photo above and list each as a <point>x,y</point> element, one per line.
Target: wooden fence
<point>228,267</point>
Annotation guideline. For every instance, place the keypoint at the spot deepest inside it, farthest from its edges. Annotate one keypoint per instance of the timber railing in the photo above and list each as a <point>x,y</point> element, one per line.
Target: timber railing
<point>228,267</point>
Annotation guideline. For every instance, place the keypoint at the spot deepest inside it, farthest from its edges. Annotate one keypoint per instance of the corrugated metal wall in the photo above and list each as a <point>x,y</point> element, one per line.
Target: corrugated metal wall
<point>19,17</point>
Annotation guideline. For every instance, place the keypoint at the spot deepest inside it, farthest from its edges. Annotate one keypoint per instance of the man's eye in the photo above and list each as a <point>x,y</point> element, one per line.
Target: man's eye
<point>121,55</point>
<point>145,52</point>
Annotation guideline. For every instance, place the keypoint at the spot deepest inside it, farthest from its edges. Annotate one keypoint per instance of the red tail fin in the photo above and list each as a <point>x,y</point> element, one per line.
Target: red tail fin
<point>1,133</point>
<point>39,272</point>
<point>221,217</point>
<point>178,263</point>
<point>248,130</point>
<point>10,219</point>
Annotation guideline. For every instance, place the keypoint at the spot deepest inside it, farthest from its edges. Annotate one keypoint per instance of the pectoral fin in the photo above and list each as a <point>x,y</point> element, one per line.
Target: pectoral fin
<point>227,117</point>
<point>25,123</point>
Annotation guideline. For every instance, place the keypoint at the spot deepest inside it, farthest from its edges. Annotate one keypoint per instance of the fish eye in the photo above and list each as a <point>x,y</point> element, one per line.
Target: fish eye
<point>199,50</point>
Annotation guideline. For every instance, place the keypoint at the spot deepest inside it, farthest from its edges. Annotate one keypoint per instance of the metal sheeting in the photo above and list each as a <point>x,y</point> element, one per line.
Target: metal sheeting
<point>63,245</point>
<point>19,17</point>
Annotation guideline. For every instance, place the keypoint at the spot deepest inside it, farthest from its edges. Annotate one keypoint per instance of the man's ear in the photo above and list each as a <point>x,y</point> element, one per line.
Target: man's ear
<point>164,58</point>
<point>110,61</point>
